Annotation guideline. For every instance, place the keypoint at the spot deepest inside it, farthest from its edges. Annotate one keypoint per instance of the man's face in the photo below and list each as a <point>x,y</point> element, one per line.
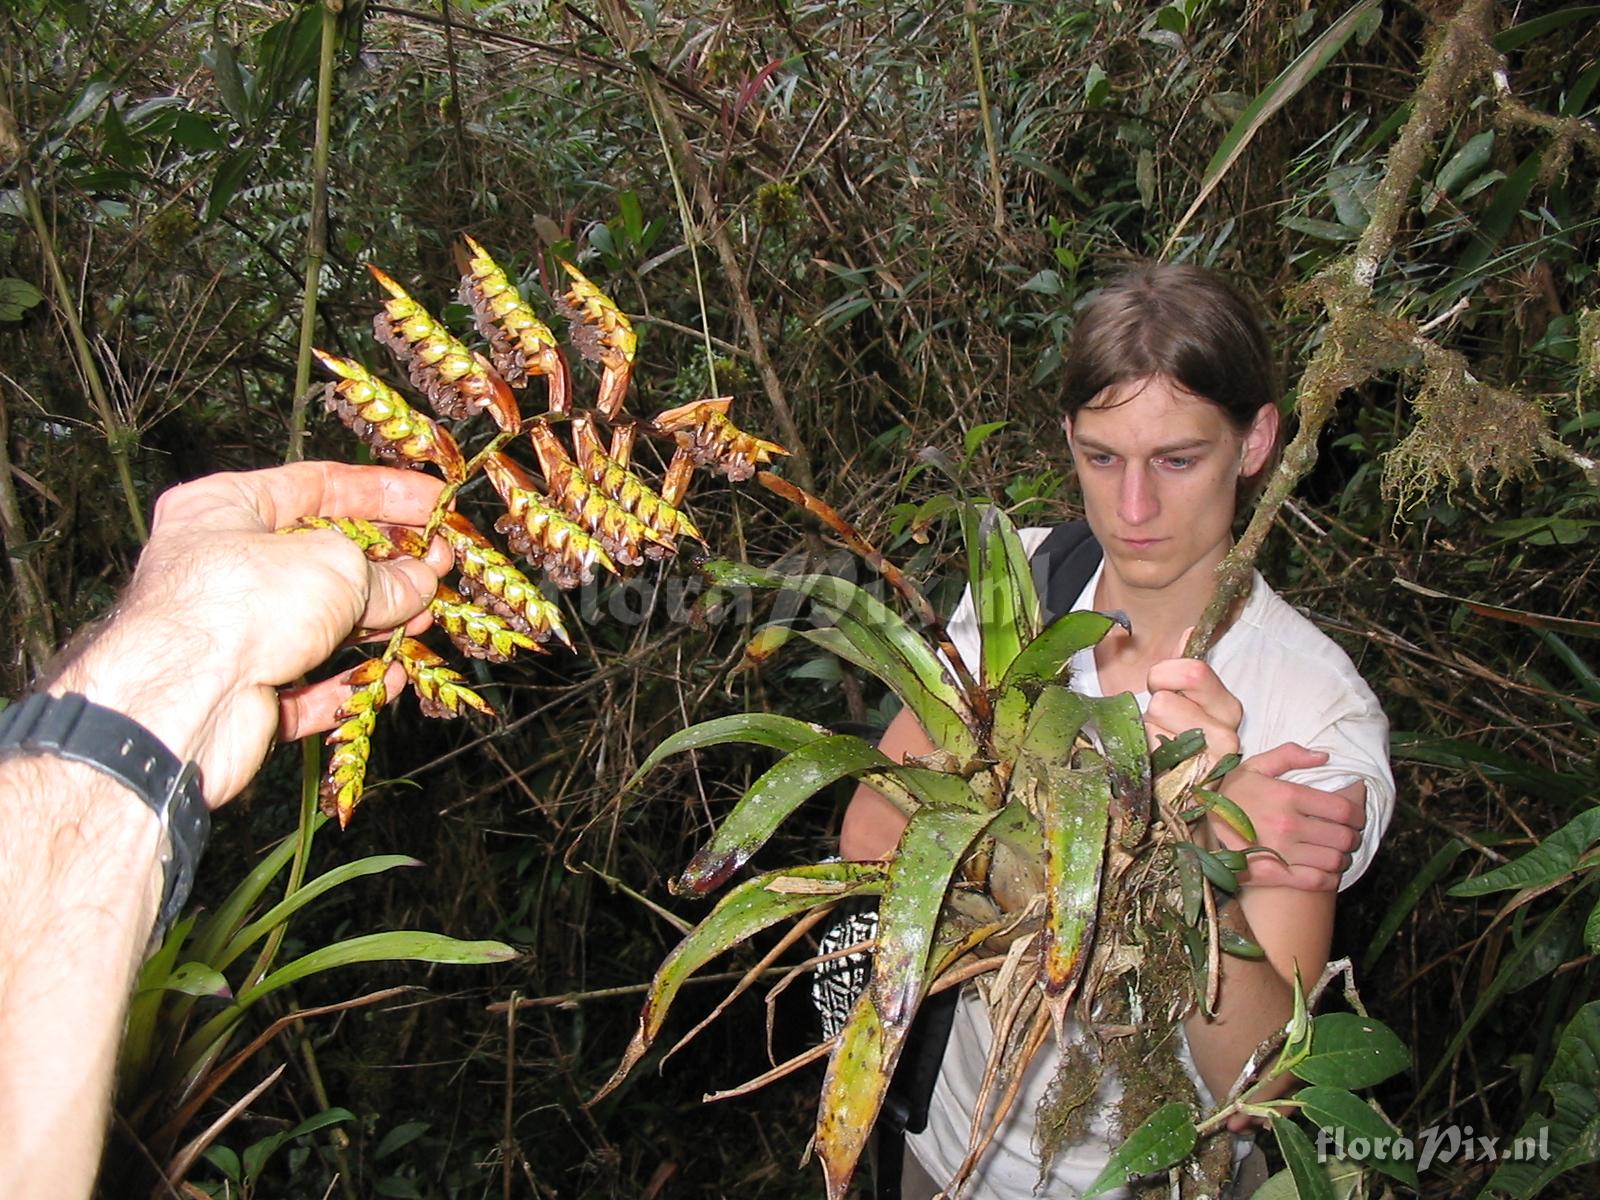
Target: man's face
<point>1159,468</point>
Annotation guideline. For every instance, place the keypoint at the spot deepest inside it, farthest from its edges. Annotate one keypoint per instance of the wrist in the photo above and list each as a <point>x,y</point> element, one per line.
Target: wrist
<point>142,664</point>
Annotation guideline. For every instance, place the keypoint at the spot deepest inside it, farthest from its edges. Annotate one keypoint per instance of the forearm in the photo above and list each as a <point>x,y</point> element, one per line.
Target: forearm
<point>1256,998</point>
<point>81,879</point>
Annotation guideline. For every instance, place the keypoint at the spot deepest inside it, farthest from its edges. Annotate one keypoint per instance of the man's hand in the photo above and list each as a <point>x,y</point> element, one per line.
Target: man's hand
<point>1314,831</point>
<point>223,610</point>
<point>1185,694</point>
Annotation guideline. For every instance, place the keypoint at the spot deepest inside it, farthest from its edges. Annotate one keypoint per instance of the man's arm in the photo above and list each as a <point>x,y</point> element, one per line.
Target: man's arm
<point>872,825</point>
<point>220,612</point>
<point>1294,926</point>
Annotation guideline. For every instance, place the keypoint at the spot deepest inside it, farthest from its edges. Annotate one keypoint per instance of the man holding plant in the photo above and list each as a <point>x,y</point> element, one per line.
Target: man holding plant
<point>1171,418</point>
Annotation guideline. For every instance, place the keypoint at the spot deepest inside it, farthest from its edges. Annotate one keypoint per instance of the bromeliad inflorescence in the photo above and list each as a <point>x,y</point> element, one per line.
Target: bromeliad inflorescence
<point>580,512</point>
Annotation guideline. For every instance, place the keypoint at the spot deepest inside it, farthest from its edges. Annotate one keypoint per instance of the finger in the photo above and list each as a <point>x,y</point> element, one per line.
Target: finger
<point>1332,809</point>
<point>314,707</point>
<point>1290,756</point>
<point>396,592</point>
<point>1200,683</point>
<point>279,496</point>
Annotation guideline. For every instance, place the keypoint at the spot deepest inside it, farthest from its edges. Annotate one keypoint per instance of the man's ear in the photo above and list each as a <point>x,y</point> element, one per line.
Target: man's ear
<point>1260,440</point>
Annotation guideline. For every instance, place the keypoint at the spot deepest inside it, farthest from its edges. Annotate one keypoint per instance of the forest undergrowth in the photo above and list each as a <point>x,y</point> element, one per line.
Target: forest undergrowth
<point>871,224</point>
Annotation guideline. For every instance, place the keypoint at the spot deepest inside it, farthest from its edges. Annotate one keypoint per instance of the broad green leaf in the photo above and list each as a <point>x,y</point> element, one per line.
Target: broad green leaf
<point>1279,92</point>
<point>1466,162</point>
<point>930,849</point>
<point>1406,902</point>
<point>1166,1137</point>
<point>749,908</point>
<point>760,729</point>
<point>84,105</point>
<point>229,177</point>
<point>858,1074</point>
<point>856,645</point>
<point>1569,1137</point>
<point>213,932</point>
<point>1077,813</point>
<point>902,658</point>
<point>1211,866</point>
<point>1044,658</point>
<point>224,1160</point>
<point>1236,944</point>
<point>1344,1176</point>
<point>395,945</point>
<point>1005,601</point>
<point>1230,813</point>
<point>279,913</point>
<point>1520,34</point>
<point>1118,727</point>
<point>193,979</point>
<point>785,786</point>
<point>398,1137</point>
<point>225,72</point>
<point>1339,1111</point>
<point>17,296</point>
<point>1310,1181</point>
<point>981,433</point>
<point>1536,954</point>
<point>1351,1051</point>
<point>1173,751</point>
<point>861,1066</point>
<point>1552,859</point>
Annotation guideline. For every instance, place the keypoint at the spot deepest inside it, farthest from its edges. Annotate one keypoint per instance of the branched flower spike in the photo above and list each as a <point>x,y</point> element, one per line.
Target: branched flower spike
<point>627,490</point>
<point>520,344</point>
<point>476,632</point>
<point>379,416</point>
<point>625,537</point>
<point>458,382</point>
<point>351,741</point>
<point>545,536</point>
<point>602,334</point>
<point>441,692</point>
<point>703,429</point>
<point>493,581</point>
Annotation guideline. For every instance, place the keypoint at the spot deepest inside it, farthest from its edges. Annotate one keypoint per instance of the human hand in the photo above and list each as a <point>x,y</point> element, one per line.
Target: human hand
<point>1185,694</point>
<point>1314,831</point>
<point>222,610</point>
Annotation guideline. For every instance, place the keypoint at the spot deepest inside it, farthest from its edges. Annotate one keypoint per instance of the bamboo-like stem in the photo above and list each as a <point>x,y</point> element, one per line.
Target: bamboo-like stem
<point>682,152</point>
<point>117,433</point>
<point>33,605</point>
<point>996,184</point>
<point>1346,288</point>
<point>317,233</point>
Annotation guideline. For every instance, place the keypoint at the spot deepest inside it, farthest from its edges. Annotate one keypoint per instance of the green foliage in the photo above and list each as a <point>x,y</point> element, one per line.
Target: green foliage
<point>895,317</point>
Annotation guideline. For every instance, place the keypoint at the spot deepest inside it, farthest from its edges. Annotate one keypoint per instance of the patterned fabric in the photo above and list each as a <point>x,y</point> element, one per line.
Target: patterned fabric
<point>837,983</point>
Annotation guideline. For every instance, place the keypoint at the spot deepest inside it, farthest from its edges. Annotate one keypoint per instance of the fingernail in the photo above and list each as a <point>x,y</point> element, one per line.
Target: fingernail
<point>420,576</point>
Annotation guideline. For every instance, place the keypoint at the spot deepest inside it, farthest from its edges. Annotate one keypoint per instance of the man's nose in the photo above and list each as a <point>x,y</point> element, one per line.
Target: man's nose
<point>1137,502</point>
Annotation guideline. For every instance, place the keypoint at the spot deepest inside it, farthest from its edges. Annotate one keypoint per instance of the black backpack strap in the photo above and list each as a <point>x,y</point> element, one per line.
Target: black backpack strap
<point>1062,565</point>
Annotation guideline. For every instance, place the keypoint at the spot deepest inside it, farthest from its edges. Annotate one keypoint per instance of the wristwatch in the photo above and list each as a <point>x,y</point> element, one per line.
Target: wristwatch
<point>73,728</point>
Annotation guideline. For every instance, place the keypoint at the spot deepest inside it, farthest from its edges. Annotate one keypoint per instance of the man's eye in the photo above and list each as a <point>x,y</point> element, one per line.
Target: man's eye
<point>1099,460</point>
<point>1178,462</point>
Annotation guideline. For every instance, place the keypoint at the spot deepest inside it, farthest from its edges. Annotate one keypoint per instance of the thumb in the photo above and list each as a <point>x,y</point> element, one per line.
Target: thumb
<point>397,590</point>
<point>1182,648</point>
<point>1291,756</point>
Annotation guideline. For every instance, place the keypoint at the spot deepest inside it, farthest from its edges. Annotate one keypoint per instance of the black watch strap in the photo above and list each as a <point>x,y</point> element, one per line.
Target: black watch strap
<point>73,728</point>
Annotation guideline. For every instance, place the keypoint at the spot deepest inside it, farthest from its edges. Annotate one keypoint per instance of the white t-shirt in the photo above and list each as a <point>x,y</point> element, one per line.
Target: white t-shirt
<point>1295,685</point>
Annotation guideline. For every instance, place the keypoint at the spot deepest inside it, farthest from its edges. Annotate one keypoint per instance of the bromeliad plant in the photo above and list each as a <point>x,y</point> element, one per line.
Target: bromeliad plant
<point>586,511</point>
<point>1047,855</point>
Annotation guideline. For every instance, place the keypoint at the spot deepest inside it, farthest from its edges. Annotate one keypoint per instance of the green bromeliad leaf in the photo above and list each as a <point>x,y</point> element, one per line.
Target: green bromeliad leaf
<point>795,778</point>
<point>885,643</point>
<point>1044,658</point>
<point>754,905</point>
<point>1000,583</point>
<point>760,729</point>
<point>931,848</point>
